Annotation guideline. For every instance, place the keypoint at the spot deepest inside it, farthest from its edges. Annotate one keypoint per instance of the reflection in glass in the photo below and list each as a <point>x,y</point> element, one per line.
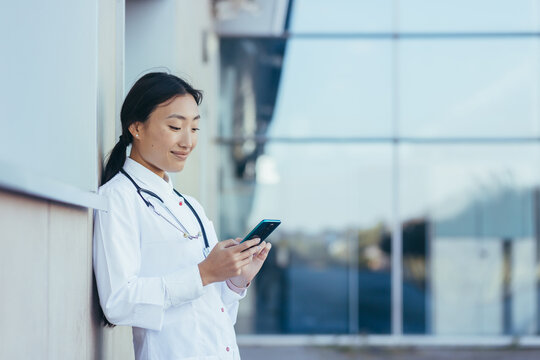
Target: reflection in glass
<point>457,16</point>
<point>469,88</point>
<point>470,243</point>
<point>329,271</point>
<point>335,88</point>
<point>250,75</point>
<point>341,16</point>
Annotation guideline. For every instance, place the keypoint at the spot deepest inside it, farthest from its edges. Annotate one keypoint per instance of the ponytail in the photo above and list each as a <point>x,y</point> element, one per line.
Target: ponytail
<point>116,158</point>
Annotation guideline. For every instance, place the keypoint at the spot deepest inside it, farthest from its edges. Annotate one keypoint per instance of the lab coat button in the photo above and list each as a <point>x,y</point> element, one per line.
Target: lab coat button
<point>228,349</point>
<point>222,310</point>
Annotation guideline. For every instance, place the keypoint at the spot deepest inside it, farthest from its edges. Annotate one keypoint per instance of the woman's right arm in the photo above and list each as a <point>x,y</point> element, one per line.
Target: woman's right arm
<point>125,297</point>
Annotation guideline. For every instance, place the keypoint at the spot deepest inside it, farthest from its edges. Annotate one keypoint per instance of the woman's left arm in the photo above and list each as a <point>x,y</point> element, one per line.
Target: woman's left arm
<point>233,289</point>
<point>252,269</point>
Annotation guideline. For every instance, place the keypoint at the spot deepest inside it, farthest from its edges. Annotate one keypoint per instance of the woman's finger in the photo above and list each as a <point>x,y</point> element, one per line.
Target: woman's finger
<point>248,244</point>
<point>244,262</point>
<point>264,252</point>
<point>247,254</point>
<point>261,247</point>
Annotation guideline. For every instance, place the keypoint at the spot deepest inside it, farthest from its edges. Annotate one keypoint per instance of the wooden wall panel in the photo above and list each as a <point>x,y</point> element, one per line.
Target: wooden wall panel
<point>23,277</point>
<point>69,275</point>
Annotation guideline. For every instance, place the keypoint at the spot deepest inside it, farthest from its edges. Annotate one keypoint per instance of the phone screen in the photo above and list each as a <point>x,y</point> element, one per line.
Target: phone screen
<point>263,229</point>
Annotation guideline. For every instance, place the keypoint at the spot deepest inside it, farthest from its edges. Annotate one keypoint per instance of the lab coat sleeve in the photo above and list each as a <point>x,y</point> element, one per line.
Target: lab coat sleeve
<point>231,300</point>
<point>125,297</point>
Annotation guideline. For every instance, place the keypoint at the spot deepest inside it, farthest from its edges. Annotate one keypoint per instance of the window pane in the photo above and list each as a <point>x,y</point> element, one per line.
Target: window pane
<point>469,88</point>
<point>329,270</point>
<point>470,240</point>
<point>335,16</point>
<point>249,80</point>
<point>468,16</point>
<point>335,88</point>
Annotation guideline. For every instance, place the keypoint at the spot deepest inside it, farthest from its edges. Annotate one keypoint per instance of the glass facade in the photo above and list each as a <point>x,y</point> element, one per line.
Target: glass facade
<point>347,253</point>
<point>335,81</point>
<point>469,87</point>
<point>472,210</point>
<point>406,132</point>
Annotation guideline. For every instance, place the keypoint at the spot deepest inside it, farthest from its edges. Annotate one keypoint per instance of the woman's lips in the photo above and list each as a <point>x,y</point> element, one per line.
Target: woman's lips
<point>180,155</point>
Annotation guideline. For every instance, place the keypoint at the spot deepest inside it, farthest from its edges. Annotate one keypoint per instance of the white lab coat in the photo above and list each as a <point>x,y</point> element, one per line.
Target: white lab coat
<point>147,273</point>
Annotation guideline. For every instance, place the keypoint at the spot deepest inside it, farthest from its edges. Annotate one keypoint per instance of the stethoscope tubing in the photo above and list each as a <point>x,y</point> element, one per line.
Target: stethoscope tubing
<point>150,205</point>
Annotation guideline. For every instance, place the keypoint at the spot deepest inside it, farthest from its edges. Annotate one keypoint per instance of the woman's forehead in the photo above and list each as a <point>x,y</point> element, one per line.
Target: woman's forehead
<point>181,107</point>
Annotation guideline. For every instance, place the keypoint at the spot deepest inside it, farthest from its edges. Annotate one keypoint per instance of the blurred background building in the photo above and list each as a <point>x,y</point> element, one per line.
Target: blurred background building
<point>397,140</point>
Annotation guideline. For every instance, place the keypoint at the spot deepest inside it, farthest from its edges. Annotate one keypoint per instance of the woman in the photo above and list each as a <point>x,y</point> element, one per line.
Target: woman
<point>158,263</point>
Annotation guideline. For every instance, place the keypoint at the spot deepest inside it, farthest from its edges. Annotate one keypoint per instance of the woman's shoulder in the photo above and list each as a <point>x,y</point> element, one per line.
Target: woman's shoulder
<point>116,183</point>
<point>118,187</point>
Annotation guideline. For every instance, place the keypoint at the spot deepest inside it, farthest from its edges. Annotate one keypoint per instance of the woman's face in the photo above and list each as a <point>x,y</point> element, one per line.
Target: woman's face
<point>166,139</point>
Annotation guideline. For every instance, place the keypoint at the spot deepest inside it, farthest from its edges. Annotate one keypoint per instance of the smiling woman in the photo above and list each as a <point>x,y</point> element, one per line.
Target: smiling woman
<point>158,263</point>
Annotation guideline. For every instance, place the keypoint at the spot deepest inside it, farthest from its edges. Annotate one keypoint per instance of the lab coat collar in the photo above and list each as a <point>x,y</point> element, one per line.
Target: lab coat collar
<point>149,179</point>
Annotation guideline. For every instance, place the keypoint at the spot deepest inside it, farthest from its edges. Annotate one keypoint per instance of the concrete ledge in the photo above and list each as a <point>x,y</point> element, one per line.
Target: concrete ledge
<point>21,181</point>
<point>389,340</point>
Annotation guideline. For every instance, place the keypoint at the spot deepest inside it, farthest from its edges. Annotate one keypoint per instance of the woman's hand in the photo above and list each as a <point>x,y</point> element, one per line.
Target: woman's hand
<point>227,259</point>
<point>251,269</point>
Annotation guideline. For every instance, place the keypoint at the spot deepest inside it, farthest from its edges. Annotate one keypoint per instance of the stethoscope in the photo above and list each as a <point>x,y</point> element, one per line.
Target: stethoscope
<point>182,228</point>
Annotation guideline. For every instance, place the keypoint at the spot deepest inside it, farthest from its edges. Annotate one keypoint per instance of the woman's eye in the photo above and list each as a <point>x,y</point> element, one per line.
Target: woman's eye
<point>174,128</point>
<point>195,129</point>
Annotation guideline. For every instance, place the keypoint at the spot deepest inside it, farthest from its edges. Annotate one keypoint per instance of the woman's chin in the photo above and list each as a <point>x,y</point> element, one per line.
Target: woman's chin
<point>178,166</point>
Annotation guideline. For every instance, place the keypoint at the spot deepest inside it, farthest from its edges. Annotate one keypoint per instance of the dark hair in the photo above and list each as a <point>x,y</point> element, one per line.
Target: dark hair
<point>146,94</point>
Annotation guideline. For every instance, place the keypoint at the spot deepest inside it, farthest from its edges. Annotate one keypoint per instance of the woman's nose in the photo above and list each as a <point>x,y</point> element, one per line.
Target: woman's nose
<point>185,138</point>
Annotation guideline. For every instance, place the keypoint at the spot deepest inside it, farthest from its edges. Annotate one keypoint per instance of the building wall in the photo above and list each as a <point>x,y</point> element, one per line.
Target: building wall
<point>47,303</point>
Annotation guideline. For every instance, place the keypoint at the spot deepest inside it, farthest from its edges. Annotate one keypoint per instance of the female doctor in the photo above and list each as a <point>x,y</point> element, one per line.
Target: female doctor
<point>159,266</point>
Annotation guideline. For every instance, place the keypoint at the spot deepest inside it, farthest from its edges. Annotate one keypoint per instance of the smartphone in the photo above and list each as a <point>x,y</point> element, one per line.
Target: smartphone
<point>262,230</point>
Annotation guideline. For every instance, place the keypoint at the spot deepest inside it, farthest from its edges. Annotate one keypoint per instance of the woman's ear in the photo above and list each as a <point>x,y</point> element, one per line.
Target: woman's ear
<point>134,129</point>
